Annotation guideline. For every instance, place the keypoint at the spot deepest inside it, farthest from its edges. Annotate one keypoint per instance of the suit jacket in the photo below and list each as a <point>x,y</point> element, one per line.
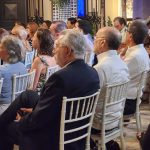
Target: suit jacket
<point>41,128</point>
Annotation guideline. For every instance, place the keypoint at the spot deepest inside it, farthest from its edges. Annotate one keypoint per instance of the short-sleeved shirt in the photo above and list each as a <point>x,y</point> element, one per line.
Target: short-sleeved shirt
<point>6,72</point>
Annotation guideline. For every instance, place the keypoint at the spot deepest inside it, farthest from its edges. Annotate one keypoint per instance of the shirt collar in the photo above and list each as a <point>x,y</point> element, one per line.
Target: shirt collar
<point>134,48</point>
<point>71,62</point>
<point>106,54</point>
<point>124,29</point>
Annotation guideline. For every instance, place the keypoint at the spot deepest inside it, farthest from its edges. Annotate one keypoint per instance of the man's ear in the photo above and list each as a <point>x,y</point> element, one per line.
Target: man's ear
<point>103,42</point>
<point>68,51</point>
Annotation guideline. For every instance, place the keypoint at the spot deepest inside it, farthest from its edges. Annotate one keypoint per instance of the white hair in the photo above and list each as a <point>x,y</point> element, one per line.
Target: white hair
<point>75,41</point>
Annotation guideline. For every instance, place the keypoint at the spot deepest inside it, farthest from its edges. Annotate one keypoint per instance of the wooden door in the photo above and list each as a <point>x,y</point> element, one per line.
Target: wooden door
<point>11,11</point>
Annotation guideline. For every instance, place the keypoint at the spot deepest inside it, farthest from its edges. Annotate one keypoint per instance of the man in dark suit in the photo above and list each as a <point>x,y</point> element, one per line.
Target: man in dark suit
<point>39,129</point>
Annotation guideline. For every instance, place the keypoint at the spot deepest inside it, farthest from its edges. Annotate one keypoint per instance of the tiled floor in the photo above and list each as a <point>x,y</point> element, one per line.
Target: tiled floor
<point>130,130</point>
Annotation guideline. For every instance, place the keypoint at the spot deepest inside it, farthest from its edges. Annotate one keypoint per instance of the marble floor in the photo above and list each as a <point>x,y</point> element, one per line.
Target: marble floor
<point>130,130</point>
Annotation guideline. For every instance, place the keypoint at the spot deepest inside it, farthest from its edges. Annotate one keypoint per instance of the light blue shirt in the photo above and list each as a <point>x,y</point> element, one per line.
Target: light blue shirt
<point>6,72</point>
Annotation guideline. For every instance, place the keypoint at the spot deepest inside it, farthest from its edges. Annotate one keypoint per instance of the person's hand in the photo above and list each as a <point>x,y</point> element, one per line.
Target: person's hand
<point>26,110</point>
<point>18,117</point>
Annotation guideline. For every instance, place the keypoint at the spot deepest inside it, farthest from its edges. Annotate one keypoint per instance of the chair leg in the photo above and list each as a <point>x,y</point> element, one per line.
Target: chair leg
<point>122,141</point>
<point>138,122</point>
<point>102,146</point>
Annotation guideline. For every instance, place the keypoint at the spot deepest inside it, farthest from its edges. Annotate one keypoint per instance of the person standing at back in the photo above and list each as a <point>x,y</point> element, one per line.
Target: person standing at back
<point>121,25</point>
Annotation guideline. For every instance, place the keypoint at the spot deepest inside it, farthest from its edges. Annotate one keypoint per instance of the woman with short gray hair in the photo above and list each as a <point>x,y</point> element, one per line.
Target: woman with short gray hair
<point>11,53</point>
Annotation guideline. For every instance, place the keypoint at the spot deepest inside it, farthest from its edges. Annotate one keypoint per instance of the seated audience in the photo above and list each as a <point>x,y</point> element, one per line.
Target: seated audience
<point>19,23</point>
<point>146,90</point>
<point>21,33</point>
<point>148,24</point>
<point>40,129</point>
<point>137,60</point>
<point>111,70</point>
<point>46,24</point>
<point>71,22</point>
<point>85,28</point>
<point>147,44</point>
<point>43,43</point>
<point>10,53</point>
<point>3,33</point>
<point>31,29</point>
<point>56,28</point>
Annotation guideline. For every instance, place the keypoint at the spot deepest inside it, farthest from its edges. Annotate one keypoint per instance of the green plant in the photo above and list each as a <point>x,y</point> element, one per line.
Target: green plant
<point>109,22</point>
<point>60,3</point>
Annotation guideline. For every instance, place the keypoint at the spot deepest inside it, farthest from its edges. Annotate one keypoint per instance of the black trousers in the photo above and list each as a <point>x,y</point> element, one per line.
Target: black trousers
<point>130,106</point>
<point>9,131</point>
<point>146,140</point>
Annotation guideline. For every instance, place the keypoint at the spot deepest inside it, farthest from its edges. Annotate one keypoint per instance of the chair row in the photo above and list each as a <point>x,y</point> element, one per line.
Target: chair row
<point>84,107</point>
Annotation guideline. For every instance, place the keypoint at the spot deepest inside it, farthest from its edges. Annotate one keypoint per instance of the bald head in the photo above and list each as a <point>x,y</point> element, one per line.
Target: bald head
<point>111,35</point>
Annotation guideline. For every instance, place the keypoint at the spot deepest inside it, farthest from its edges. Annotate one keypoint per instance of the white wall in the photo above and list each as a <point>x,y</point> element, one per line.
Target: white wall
<point>113,8</point>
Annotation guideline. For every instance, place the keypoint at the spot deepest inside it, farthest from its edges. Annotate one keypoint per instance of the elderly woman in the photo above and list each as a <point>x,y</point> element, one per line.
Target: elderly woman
<point>3,33</point>
<point>10,53</point>
<point>43,43</point>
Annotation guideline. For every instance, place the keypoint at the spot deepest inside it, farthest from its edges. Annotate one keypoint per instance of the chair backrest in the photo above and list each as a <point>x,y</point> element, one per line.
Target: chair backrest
<point>140,86</point>
<point>51,70</point>
<point>29,59</point>
<point>75,110</point>
<point>1,84</point>
<point>112,108</point>
<point>21,83</point>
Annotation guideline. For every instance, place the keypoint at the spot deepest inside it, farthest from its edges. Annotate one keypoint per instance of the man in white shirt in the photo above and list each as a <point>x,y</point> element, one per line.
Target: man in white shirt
<point>111,68</point>
<point>137,60</point>
<point>120,25</point>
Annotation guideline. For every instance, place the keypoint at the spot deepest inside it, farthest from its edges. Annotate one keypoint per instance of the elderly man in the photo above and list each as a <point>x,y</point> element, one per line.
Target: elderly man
<point>137,60</point>
<point>56,28</point>
<point>111,68</point>
<point>39,129</point>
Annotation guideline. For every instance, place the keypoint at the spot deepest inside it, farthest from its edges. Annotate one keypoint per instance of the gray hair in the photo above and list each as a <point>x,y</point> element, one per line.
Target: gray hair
<point>73,40</point>
<point>14,48</point>
<point>60,26</point>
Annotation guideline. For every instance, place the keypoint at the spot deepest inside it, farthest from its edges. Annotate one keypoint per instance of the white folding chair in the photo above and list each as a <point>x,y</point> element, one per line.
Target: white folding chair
<point>51,70</point>
<point>74,110</point>
<point>137,116</point>
<point>1,84</point>
<point>21,83</point>
<point>113,104</point>
<point>29,59</point>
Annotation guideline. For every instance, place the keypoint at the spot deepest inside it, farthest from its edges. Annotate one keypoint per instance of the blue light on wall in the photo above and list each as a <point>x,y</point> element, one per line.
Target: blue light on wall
<point>81,8</point>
